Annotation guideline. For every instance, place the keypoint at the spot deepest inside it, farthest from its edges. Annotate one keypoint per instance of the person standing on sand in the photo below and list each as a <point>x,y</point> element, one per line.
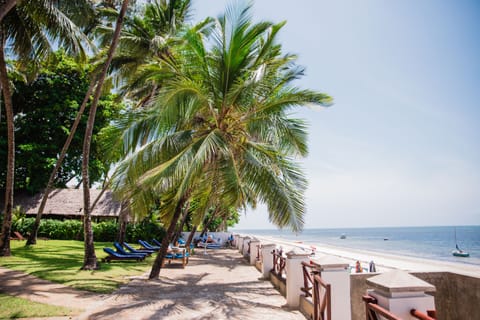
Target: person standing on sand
<point>358,267</point>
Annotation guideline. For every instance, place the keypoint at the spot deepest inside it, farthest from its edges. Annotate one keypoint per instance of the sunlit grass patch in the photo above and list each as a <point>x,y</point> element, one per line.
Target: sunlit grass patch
<point>60,261</point>
<point>13,307</point>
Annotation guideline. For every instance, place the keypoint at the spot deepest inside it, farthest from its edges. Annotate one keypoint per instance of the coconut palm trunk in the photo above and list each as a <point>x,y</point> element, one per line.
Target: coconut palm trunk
<point>122,223</point>
<point>90,259</point>
<point>178,232</point>
<point>157,265</point>
<point>7,96</point>
<point>190,237</point>
<point>5,7</point>
<point>32,238</point>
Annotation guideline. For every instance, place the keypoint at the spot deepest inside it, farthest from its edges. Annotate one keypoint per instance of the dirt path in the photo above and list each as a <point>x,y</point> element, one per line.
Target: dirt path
<point>22,285</point>
<point>218,285</point>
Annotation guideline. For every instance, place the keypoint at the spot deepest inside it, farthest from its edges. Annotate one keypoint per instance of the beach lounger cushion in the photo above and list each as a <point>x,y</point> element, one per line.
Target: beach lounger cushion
<point>148,246</point>
<point>113,255</point>
<point>120,250</point>
<point>177,256</point>
<point>133,250</point>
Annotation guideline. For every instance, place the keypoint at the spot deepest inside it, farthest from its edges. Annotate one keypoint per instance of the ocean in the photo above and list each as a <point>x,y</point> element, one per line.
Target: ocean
<point>434,243</point>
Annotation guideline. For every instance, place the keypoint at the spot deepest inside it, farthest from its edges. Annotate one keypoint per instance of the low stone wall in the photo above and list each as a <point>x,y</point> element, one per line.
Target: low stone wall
<point>258,265</point>
<point>457,296</point>
<point>306,306</point>
<point>278,283</point>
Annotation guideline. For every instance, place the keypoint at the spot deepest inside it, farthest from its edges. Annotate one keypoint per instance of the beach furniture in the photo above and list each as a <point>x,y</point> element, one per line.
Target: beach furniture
<point>148,246</point>
<point>133,250</point>
<point>156,242</point>
<point>176,254</point>
<point>120,250</point>
<point>181,242</point>
<point>210,243</point>
<point>112,255</point>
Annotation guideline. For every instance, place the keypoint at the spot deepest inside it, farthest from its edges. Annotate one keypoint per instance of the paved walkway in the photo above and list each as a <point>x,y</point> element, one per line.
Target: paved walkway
<point>218,285</point>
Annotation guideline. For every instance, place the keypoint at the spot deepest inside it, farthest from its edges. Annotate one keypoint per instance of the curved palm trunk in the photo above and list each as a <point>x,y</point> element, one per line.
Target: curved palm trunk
<point>90,259</point>
<point>5,8</point>
<point>157,265</point>
<point>178,232</point>
<point>32,239</point>
<point>207,223</point>
<point>123,220</point>
<point>190,238</point>
<point>7,218</point>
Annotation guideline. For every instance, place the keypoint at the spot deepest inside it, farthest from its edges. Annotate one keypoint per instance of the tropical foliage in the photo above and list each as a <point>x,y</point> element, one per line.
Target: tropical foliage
<point>214,129</point>
<point>29,28</point>
<point>220,130</point>
<point>44,110</point>
<point>104,231</point>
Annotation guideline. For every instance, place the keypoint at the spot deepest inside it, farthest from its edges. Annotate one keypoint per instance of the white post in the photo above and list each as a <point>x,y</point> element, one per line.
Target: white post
<point>267,259</point>
<point>294,272</point>
<point>253,250</point>
<point>336,272</point>
<point>399,292</point>
<point>235,240</point>
<point>240,243</point>
<point>246,241</point>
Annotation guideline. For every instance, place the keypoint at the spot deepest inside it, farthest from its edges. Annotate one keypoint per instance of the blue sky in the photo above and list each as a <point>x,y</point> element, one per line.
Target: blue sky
<point>401,144</point>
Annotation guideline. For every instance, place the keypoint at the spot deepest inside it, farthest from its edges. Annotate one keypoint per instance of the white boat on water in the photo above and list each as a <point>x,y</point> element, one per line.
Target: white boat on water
<point>459,252</point>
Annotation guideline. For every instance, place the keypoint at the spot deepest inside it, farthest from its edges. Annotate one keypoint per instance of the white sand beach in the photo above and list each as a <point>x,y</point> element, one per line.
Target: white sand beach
<point>383,261</point>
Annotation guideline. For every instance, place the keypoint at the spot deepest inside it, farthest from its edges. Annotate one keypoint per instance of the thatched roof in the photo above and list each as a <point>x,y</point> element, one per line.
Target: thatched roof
<point>69,202</point>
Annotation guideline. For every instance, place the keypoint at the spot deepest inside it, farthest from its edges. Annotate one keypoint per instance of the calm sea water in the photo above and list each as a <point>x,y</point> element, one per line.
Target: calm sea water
<point>424,242</point>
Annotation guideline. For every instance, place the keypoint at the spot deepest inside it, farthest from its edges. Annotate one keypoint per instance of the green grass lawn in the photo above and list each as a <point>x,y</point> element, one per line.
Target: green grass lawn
<point>60,261</point>
<point>13,307</point>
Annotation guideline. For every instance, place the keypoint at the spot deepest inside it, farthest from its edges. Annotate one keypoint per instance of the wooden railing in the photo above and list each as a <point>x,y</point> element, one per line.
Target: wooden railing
<point>321,299</point>
<point>373,310</point>
<point>431,314</point>
<point>279,263</point>
<point>309,271</point>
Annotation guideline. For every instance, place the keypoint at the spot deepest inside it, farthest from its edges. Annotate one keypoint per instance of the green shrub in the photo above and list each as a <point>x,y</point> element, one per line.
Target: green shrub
<point>105,231</point>
<point>145,230</point>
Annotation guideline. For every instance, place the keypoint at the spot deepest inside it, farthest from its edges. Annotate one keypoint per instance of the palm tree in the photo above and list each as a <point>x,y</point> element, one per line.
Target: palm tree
<point>221,124</point>
<point>29,29</point>
<point>90,259</point>
<point>144,37</point>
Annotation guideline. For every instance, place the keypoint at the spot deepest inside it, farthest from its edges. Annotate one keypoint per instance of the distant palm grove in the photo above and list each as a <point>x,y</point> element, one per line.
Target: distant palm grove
<point>186,122</point>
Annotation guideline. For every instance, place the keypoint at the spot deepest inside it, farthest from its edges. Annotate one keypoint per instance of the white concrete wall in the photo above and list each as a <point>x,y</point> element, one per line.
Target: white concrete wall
<point>340,292</point>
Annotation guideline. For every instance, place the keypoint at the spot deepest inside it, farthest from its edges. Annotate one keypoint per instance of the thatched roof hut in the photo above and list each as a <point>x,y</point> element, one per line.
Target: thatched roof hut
<point>68,203</point>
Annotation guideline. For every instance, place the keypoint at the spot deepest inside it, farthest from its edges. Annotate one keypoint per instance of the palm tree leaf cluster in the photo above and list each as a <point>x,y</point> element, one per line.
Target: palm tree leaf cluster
<point>219,128</point>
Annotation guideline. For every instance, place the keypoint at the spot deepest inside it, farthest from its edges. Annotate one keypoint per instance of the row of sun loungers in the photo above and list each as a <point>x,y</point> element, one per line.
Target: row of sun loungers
<point>147,249</point>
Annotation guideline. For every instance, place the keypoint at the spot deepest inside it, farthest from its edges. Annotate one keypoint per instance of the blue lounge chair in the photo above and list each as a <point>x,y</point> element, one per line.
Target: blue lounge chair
<point>209,245</point>
<point>177,255</point>
<point>120,250</point>
<point>112,255</point>
<point>148,246</point>
<point>156,242</point>
<point>133,250</point>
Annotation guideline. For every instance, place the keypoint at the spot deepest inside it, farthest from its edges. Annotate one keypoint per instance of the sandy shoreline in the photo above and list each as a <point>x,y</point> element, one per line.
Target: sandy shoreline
<point>383,261</point>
